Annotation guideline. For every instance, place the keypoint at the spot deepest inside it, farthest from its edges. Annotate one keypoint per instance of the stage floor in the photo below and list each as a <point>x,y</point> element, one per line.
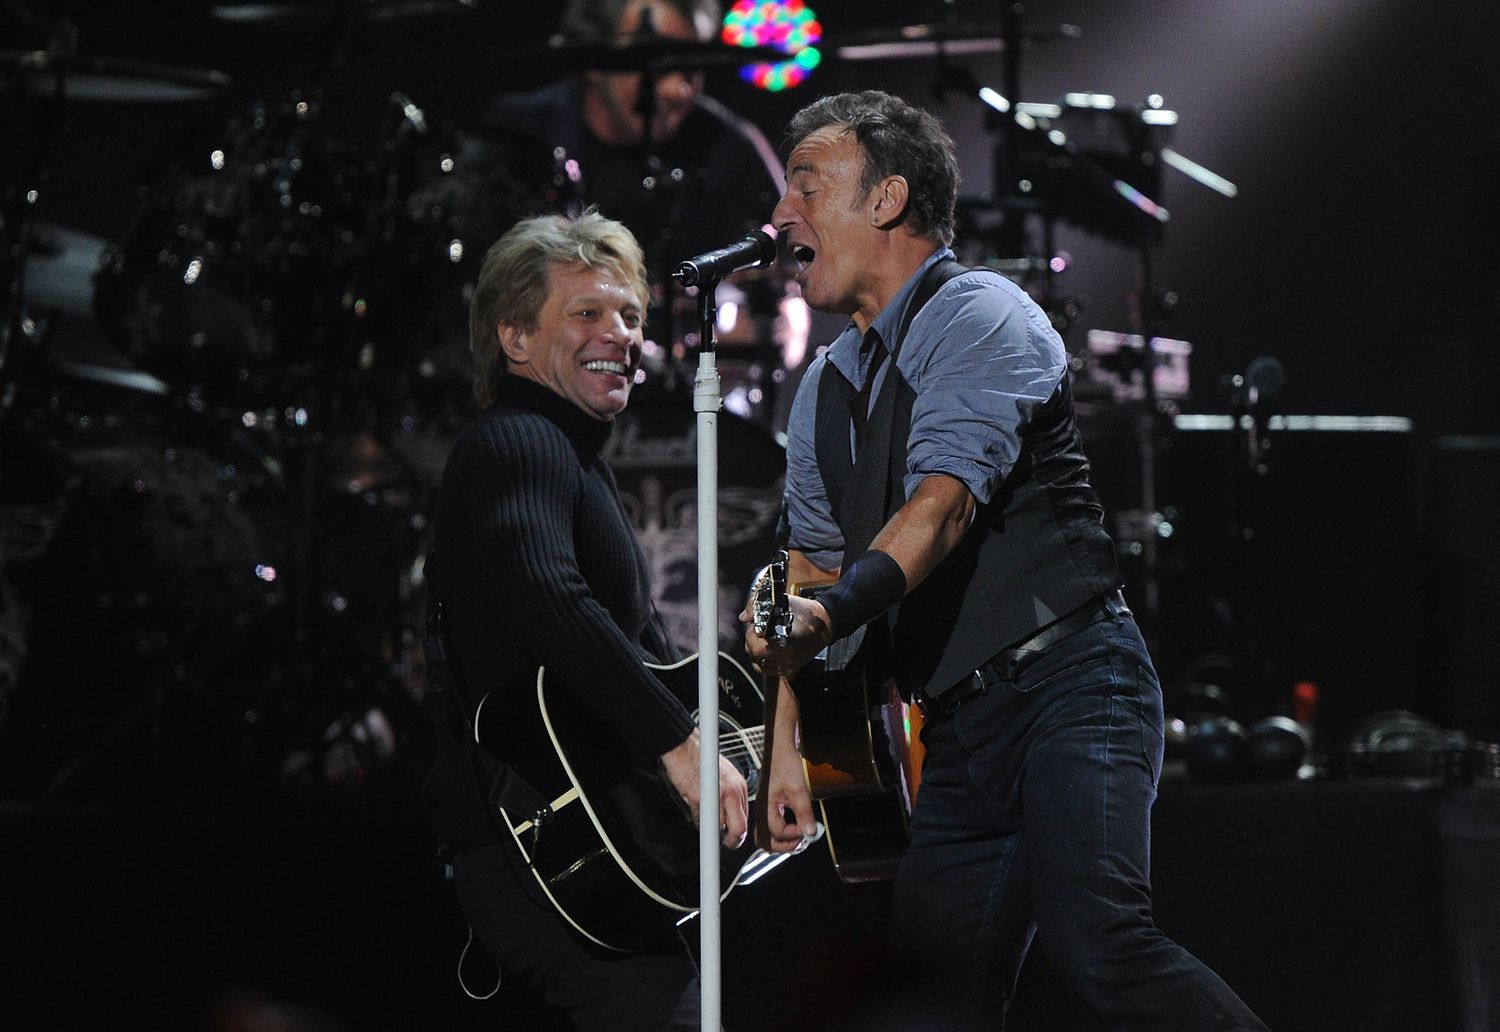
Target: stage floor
<point>1364,905</point>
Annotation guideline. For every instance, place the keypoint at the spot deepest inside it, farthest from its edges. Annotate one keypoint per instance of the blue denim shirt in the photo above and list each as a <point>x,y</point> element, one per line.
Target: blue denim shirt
<point>981,357</point>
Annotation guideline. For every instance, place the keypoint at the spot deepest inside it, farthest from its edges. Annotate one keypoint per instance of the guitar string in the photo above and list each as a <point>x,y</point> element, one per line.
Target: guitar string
<point>733,739</point>
<point>734,745</point>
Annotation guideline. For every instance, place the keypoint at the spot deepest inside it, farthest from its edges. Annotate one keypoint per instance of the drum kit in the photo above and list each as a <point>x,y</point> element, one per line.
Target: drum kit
<point>219,430</point>
<point>222,429</point>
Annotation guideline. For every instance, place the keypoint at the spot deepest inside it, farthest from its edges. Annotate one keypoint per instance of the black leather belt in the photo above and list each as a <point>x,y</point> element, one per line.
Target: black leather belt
<point>1007,664</point>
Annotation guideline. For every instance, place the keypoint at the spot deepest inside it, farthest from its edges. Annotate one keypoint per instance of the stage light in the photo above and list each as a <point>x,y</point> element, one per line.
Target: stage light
<point>788,25</point>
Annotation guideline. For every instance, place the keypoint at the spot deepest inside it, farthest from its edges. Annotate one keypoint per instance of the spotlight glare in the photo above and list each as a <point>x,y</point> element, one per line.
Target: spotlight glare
<point>788,25</point>
<point>994,100</point>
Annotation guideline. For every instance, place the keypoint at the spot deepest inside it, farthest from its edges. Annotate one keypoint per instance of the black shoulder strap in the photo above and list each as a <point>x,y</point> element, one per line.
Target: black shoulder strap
<point>865,511</point>
<point>442,677</point>
<point>932,282</point>
<point>831,430</point>
<point>497,780</point>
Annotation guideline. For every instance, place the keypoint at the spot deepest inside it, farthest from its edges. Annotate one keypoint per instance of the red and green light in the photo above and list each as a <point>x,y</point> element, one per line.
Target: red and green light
<point>789,26</point>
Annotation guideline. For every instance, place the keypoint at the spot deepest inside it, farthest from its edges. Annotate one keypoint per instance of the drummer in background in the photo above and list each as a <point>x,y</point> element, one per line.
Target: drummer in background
<point>714,175</point>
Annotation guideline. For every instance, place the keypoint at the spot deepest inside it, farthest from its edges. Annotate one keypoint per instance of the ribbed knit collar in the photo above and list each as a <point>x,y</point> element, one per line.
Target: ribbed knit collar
<point>583,428</point>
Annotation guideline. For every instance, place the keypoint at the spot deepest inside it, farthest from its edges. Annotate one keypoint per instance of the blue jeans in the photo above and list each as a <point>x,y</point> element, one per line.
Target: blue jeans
<point>1033,818</point>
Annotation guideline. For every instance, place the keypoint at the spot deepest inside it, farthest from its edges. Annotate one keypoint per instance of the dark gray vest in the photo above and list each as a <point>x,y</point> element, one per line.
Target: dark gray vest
<point>1037,551</point>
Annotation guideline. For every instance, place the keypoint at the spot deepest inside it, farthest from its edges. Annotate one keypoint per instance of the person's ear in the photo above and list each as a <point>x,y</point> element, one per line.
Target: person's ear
<point>888,206</point>
<point>513,343</point>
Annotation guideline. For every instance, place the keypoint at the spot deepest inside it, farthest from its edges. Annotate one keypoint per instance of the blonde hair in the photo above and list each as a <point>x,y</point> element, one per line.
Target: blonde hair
<point>516,277</point>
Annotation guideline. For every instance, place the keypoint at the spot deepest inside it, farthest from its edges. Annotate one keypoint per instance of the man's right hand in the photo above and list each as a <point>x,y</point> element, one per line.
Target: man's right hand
<point>681,765</point>
<point>789,822</point>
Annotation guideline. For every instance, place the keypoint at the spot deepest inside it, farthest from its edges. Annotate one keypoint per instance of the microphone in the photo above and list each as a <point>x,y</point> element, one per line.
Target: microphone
<point>755,251</point>
<point>1266,377</point>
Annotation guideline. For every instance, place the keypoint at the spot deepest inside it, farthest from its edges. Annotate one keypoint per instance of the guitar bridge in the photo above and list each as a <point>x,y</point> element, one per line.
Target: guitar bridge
<point>541,817</point>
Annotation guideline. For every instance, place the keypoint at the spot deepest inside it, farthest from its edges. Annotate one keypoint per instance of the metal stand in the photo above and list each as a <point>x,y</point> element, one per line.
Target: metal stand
<point>1013,241</point>
<point>706,401</point>
<point>1149,432</point>
<point>1253,394</point>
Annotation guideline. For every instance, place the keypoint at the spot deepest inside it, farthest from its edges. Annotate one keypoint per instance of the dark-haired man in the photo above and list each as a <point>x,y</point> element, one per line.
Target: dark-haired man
<point>934,466</point>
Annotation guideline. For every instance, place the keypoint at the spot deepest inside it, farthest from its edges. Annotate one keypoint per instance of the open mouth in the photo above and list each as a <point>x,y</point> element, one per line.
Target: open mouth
<point>803,254</point>
<point>603,366</point>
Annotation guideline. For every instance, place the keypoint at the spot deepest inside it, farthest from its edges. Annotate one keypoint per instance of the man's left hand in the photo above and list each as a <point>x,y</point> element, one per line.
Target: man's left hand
<point>809,633</point>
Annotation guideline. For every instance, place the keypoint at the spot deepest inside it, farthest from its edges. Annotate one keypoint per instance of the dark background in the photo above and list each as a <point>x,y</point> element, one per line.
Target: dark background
<point>1364,139</point>
<point>1360,252</point>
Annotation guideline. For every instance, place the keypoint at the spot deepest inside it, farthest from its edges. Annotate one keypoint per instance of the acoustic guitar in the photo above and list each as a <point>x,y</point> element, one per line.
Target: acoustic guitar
<point>613,846</point>
<point>861,749</point>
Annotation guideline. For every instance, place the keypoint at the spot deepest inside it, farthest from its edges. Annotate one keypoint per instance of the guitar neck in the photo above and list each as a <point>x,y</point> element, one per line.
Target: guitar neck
<point>772,619</point>
<point>771,691</point>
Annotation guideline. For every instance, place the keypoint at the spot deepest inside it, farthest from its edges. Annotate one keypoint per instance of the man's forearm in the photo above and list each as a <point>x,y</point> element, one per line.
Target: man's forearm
<point>919,536</point>
<point>928,527</point>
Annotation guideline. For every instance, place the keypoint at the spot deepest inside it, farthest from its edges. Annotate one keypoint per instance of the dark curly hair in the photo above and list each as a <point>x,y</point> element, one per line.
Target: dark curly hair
<point>897,139</point>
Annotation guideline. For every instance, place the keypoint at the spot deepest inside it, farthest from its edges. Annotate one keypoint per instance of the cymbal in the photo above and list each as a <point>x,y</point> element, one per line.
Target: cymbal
<point>77,350</point>
<point>60,267</point>
<point>110,376</point>
<point>255,14</point>
<point>379,11</point>
<point>92,77</point>
<point>954,38</point>
<point>410,10</point>
<point>657,53</point>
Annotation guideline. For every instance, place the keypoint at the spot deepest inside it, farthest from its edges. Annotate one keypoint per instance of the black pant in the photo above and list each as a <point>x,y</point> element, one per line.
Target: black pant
<point>1033,817</point>
<point>600,990</point>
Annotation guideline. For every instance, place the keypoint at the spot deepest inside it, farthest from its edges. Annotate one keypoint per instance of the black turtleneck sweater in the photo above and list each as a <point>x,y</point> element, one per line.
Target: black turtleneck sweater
<point>536,564</point>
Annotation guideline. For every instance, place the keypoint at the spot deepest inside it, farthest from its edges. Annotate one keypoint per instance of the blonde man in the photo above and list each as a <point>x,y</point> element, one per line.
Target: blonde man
<point>534,565</point>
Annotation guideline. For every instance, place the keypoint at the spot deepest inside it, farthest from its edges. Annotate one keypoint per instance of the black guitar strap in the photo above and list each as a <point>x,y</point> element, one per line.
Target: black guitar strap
<point>862,517</point>
<point>859,488</point>
<point>497,780</point>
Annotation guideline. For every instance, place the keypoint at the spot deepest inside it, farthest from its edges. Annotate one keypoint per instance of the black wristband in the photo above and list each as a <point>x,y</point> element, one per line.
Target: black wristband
<point>871,585</point>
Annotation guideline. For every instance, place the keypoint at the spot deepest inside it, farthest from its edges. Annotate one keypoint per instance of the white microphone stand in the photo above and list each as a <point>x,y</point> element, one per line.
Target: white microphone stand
<point>705,272</point>
<point>706,402</point>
